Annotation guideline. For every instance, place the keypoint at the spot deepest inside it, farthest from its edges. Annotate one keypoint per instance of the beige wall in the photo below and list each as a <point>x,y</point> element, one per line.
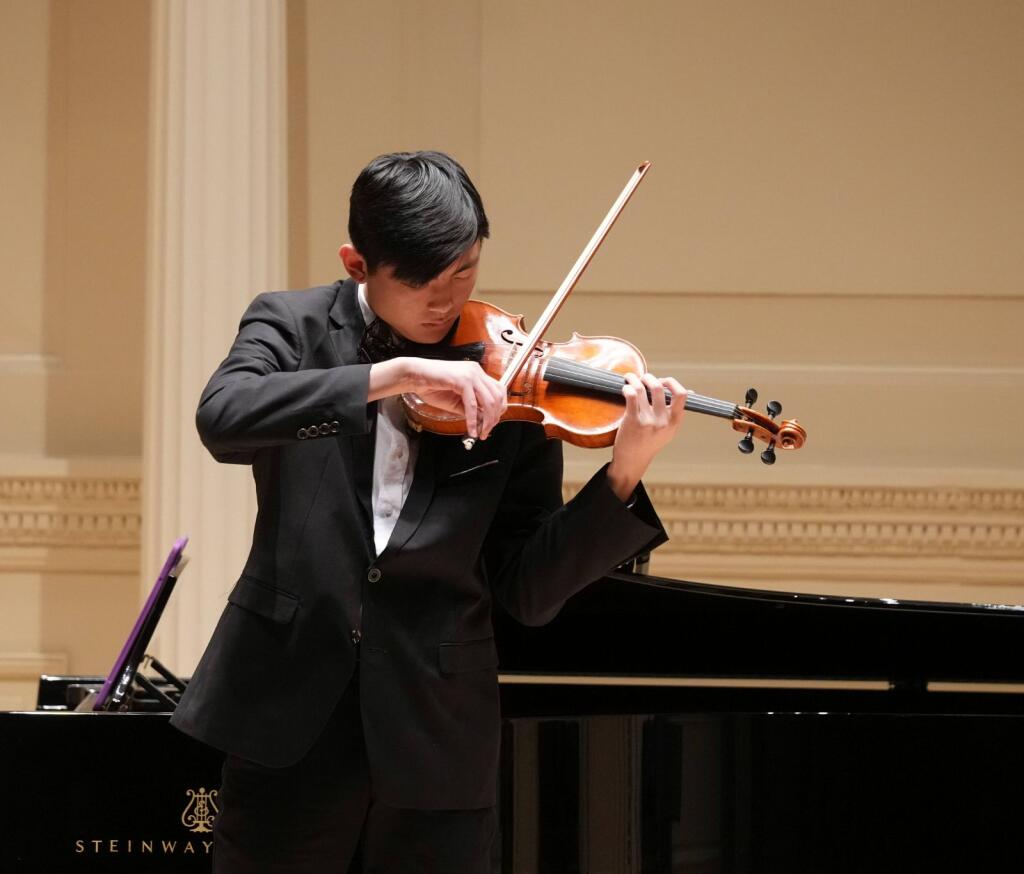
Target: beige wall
<point>832,216</point>
<point>23,165</point>
<point>74,96</point>
<point>73,99</point>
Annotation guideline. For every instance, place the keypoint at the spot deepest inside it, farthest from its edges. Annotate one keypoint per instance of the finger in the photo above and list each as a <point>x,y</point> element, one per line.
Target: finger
<point>500,400</point>
<point>502,395</point>
<point>470,406</point>
<point>678,398</point>
<point>635,383</point>
<point>656,391</point>
<point>631,391</point>
<point>489,411</point>
<point>485,399</point>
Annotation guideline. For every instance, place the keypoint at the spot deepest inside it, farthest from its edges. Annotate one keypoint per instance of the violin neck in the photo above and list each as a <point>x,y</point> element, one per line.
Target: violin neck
<point>607,382</point>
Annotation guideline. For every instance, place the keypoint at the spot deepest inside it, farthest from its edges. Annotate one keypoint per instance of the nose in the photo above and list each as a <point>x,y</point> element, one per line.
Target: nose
<point>439,304</point>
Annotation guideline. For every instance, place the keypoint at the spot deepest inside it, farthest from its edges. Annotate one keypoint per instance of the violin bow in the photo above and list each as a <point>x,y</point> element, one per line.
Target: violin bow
<point>568,284</point>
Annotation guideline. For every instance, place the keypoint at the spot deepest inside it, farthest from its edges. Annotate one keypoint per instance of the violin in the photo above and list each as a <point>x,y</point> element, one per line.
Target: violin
<point>574,388</point>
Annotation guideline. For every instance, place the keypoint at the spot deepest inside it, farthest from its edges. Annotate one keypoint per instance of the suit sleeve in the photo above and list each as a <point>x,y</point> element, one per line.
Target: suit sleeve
<point>540,552</point>
<point>260,397</point>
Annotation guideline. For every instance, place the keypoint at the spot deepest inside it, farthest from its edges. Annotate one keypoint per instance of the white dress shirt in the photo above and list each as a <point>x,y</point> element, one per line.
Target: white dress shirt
<point>394,457</point>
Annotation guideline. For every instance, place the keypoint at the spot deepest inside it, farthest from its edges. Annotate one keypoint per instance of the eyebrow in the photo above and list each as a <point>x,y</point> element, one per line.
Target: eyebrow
<point>468,264</point>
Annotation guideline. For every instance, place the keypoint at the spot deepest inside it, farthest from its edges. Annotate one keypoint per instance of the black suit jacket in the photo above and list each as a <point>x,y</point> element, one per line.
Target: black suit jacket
<point>291,400</point>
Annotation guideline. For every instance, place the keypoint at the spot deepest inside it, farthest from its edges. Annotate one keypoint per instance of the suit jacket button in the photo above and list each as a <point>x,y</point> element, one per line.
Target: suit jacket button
<point>374,574</point>
<point>301,434</point>
<point>325,429</point>
<point>357,635</point>
<point>335,427</point>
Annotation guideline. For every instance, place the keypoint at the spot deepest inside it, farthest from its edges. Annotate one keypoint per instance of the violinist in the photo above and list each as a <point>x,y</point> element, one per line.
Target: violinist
<point>352,678</point>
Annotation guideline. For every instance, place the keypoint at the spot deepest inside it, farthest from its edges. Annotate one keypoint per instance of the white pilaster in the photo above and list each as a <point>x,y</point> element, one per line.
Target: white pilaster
<point>217,238</point>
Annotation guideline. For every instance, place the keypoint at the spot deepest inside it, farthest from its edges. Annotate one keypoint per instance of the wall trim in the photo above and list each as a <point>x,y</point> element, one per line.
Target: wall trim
<point>27,666</point>
<point>1009,294</point>
<point>69,523</point>
<point>824,532</point>
<point>828,533</point>
<point>29,362</point>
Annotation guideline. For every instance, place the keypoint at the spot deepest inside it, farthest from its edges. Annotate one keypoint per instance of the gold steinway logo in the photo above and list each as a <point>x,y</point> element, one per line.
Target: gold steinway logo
<point>201,810</point>
<point>198,817</point>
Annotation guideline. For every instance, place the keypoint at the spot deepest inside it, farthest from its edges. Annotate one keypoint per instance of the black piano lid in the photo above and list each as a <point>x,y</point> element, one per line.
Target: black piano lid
<point>845,602</point>
<point>635,625</point>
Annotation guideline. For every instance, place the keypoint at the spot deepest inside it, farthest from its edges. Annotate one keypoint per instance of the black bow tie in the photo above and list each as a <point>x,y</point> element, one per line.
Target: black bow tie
<point>380,343</point>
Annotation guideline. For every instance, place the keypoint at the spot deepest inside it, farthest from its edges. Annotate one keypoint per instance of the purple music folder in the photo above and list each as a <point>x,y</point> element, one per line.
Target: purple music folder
<point>122,673</point>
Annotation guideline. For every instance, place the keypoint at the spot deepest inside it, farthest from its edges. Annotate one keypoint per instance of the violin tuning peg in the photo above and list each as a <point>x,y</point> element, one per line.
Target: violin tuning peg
<point>768,456</point>
<point>774,408</point>
<point>751,397</point>
<point>746,445</point>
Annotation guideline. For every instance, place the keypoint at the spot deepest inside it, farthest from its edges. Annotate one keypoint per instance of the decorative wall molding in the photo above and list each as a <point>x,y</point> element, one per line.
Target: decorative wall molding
<point>871,533</point>
<point>970,535</point>
<point>71,511</point>
<point>37,489</point>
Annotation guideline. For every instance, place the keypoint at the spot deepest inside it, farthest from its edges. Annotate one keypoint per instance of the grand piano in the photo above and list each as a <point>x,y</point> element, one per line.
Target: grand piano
<point>654,726</point>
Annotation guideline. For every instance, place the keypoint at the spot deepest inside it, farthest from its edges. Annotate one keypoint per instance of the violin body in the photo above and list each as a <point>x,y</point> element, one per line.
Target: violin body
<point>572,413</point>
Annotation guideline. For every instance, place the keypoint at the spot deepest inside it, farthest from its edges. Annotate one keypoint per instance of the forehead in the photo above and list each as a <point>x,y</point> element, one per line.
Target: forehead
<point>467,258</point>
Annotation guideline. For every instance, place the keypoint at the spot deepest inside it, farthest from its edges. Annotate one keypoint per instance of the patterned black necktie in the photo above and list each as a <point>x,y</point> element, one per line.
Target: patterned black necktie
<point>380,343</point>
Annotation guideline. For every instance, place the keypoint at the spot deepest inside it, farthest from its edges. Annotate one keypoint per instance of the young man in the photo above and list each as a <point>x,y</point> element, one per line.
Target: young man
<point>352,678</point>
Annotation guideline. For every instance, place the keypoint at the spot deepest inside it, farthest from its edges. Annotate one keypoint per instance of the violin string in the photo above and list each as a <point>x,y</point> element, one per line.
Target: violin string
<point>695,402</point>
<point>597,380</point>
<point>609,382</point>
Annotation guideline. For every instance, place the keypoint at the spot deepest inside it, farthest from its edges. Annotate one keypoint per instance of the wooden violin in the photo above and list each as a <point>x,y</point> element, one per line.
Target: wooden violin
<point>574,388</point>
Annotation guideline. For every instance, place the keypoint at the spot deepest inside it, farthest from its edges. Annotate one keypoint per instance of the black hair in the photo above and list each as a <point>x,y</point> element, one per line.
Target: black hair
<point>415,212</point>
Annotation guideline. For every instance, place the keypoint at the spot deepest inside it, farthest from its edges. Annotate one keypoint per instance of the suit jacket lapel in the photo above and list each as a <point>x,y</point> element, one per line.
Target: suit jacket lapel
<point>420,493</point>
<point>347,328</point>
<point>347,324</point>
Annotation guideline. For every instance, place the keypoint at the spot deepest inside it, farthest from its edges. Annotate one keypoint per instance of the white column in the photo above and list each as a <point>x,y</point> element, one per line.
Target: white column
<point>217,238</point>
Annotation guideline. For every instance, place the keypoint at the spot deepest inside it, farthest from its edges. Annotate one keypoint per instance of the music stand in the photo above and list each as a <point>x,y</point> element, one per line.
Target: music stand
<point>115,692</point>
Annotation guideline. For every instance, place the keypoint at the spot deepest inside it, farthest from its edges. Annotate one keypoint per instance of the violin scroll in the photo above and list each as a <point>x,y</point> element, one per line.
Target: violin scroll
<point>787,434</point>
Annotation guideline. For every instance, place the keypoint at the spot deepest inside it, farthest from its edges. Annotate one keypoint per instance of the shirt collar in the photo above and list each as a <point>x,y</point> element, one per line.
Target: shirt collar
<point>369,316</point>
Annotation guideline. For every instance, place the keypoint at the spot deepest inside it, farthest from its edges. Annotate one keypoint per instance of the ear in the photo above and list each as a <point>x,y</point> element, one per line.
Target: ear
<point>355,264</point>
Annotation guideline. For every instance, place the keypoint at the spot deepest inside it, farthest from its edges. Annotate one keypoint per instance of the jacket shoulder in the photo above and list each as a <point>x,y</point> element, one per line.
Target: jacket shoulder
<point>307,315</point>
<point>303,301</point>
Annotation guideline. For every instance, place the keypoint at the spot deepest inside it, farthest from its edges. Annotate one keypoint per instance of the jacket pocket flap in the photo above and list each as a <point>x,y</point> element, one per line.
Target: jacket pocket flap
<point>473,655</point>
<point>265,600</point>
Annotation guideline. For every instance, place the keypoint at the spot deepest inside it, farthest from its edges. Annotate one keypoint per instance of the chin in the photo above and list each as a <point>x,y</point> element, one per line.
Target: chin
<point>428,335</point>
